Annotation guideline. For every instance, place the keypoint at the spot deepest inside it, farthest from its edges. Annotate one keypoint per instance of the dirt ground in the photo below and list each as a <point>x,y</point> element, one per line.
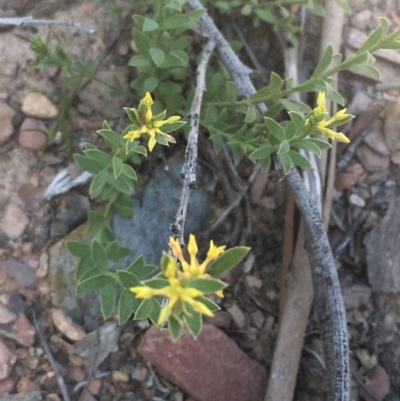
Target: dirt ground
<point>364,226</point>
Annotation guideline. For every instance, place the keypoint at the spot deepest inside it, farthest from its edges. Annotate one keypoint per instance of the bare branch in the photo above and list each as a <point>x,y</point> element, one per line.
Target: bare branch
<point>26,21</point>
<point>189,168</point>
<point>326,283</point>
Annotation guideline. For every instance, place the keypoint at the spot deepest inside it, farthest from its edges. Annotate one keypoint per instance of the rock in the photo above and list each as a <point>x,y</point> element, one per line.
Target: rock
<point>372,161</point>
<point>76,373</point>
<point>356,200</point>
<point>65,324</point>
<point>238,316</point>
<point>383,252</point>
<point>32,134</point>
<point>6,385</point>
<point>6,316</point>
<point>254,282</point>
<point>6,116</point>
<point>21,330</point>
<point>209,368</point>
<point>221,319</point>
<point>139,373</point>
<point>26,384</point>
<point>392,124</point>
<point>94,386</point>
<point>395,157</point>
<point>22,272</point>
<point>14,221</point>
<point>349,178</point>
<point>376,140</point>
<point>29,396</point>
<point>120,376</point>
<point>92,95</point>
<point>7,360</point>
<point>356,296</point>
<point>258,319</point>
<point>362,19</point>
<point>378,382</point>
<point>90,349</point>
<point>37,105</point>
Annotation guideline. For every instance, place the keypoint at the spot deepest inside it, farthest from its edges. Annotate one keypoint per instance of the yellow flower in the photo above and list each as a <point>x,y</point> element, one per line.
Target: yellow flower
<point>195,269</point>
<point>321,104</point>
<point>150,124</point>
<point>322,125</point>
<point>175,292</point>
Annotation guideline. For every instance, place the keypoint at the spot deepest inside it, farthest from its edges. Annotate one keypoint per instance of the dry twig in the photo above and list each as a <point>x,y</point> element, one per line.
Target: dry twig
<point>326,284</point>
<point>26,21</point>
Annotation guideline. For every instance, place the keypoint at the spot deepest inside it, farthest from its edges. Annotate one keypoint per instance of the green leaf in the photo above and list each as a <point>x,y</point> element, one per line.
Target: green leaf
<point>299,160</point>
<point>128,171</point>
<point>207,302</point>
<point>251,115</point>
<point>307,145</point>
<point>111,138</point>
<point>324,62</point>
<point>116,252</point>
<point>335,97</point>
<point>284,147</point>
<point>139,61</point>
<point>156,283</point>
<point>117,166</point>
<point>98,183</point>
<point>194,323</point>
<point>176,21</point>
<point>150,84</point>
<point>207,285</point>
<point>99,255</point>
<point>88,164</point>
<point>84,265</point>
<point>155,311</point>
<point>149,25</point>
<point>175,328</point>
<point>228,260</point>
<point>373,39</point>
<point>141,41</point>
<point>127,279</point>
<point>262,153</point>
<point>286,162</point>
<point>320,143</point>
<point>266,15</point>
<point>93,280</point>
<point>140,269</point>
<point>96,154</point>
<point>125,306</point>
<point>370,70</point>
<point>121,183</point>
<point>157,55</point>
<point>167,128</point>
<point>144,310</point>
<point>108,296</point>
<point>275,129</point>
<point>176,58</point>
<point>79,249</point>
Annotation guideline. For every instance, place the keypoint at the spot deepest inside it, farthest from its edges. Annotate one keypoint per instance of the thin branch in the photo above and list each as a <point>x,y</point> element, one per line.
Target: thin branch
<point>53,363</point>
<point>189,168</point>
<point>326,283</point>
<point>328,297</point>
<point>26,21</point>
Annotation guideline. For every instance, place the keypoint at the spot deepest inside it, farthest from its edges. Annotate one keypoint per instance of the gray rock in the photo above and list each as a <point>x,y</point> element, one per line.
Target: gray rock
<point>155,208</point>
<point>28,396</point>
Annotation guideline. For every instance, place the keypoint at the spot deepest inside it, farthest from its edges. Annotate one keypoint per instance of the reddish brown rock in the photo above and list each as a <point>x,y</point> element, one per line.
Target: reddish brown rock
<point>6,116</point>
<point>7,360</point>
<point>14,221</point>
<point>6,385</point>
<point>209,368</point>
<point>32,134</point>
<point>26,384</point>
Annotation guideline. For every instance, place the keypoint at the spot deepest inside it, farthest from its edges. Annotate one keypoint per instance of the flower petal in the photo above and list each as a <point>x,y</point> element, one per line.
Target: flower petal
<point>169,120</point>
<point>177,251</point>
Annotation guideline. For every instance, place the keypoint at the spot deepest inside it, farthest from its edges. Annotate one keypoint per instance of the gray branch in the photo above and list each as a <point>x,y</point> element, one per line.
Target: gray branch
<point>326,283</point>
<point>25,21</point>
<point>189,168</point>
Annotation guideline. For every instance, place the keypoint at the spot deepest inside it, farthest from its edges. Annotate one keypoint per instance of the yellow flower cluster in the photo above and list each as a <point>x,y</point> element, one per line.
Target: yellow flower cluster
<point>178,290</point>
<point>322,125</point>
<point>150,124</point>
